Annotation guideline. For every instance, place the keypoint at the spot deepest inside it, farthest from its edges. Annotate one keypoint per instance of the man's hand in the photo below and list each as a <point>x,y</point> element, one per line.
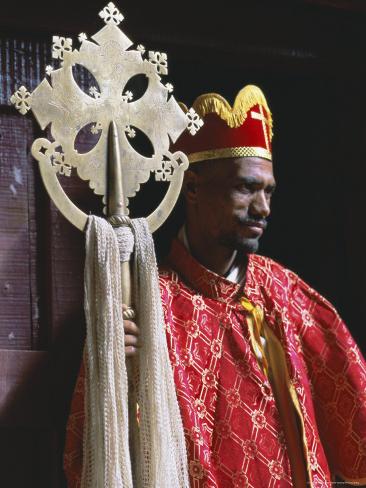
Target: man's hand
<point>132,333</point>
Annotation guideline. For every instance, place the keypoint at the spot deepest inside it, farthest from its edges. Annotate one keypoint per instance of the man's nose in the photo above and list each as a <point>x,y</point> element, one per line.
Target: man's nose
<point>260,205</point>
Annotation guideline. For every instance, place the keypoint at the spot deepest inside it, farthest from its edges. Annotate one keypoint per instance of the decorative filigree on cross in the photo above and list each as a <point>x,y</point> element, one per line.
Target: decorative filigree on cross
<point>93,90</point>
<point>21,100</point>
<point>128,96</point>
<point>170,162</point>
<point>82,37</point>
<point>111,15</point>
<point>60,46</point>
<point>130,132</point>
<point>164,173</point>
<point>169,87</point>
<point>61,167</point>
<point>96,128</point>
<point>194,121</point>
<point>63,106</point>
<point>160,61</point>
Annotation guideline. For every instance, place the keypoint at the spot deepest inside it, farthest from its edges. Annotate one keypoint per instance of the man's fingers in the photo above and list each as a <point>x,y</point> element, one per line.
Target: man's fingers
<point>130,351</point>
<point>130,327</point>
<point>132,332</point>
<point>131,345</point>
<point>132,340</point>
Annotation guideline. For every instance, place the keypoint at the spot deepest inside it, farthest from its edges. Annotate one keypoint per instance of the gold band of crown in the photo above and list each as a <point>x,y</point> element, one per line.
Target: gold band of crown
<point>230,152</point>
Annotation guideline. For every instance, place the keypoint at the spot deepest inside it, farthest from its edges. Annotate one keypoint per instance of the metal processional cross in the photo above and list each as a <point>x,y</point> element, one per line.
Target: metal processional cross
<point>113,168</point>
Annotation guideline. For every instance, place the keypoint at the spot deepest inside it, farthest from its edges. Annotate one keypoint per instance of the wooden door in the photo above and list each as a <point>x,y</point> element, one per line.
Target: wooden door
<point>41,316</point>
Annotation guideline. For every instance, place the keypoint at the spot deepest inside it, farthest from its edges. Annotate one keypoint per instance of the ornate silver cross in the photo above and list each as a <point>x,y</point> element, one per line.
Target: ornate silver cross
<point>113,113</point>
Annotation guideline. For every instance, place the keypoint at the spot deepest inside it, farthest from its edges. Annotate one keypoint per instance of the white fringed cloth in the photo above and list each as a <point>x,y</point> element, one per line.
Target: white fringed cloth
<point>116,455</point>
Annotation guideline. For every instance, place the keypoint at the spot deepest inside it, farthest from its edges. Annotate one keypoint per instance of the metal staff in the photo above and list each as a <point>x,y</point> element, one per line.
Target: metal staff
<point>117,211</point>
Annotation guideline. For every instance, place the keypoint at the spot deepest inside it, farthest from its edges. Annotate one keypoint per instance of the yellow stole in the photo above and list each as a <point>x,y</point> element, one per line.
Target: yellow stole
<point>272,360</point>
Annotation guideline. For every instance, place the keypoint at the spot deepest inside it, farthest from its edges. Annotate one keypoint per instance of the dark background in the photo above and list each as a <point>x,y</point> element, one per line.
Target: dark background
<point>309,57</point>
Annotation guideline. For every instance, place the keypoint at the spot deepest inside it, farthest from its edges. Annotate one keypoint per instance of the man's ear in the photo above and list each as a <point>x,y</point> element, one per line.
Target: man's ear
<point>190,185</point>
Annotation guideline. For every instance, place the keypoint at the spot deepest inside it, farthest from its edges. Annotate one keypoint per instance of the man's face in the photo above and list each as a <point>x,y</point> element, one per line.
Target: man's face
<point>232,201</point>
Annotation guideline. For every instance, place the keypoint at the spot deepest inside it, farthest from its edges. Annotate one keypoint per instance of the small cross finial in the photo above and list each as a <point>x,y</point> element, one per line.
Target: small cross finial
<point>111,15</point>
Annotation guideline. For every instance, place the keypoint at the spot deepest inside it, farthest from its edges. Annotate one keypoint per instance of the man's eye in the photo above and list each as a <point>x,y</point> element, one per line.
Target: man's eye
<point>268,196</point>
<point>244,189</point>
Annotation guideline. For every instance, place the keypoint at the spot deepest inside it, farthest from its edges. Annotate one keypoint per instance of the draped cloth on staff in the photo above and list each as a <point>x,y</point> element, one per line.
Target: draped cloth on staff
<point>156,448</point>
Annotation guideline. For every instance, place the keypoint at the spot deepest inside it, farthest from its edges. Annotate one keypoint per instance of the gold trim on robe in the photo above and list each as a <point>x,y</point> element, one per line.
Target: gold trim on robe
<point>272,360</point>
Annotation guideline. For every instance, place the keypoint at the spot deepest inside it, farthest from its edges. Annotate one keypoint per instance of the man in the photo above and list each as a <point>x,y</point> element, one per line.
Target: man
<point>271,385</point>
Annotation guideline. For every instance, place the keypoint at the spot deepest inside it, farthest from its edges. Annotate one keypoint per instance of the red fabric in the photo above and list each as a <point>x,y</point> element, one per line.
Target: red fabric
<point>73,452</point>
<point>231,423</point>
<point>216,134</point>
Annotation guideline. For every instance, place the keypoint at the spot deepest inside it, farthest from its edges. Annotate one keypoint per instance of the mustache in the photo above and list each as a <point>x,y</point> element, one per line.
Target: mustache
<point>253,221</point>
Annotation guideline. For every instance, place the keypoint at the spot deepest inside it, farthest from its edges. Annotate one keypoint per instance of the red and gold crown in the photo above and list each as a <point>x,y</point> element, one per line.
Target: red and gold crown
<point>240,131</point>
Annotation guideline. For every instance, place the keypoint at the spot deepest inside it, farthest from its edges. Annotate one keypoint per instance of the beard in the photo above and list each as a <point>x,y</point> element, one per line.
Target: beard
<point>247,245</point>
<point>235,239</point>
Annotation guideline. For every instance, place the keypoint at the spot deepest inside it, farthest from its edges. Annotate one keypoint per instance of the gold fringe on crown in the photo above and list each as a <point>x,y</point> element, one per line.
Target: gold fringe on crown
<point>247,98</point>
<point>183,106</point>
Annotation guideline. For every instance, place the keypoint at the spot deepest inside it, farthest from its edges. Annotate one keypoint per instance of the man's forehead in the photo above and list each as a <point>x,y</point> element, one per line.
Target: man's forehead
<point>246,166</point>
<point>252,164</point>
<point>230,170</point>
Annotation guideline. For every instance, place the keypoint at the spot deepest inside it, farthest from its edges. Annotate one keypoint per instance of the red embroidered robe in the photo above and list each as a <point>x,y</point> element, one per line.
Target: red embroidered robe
<point>232,424</point>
